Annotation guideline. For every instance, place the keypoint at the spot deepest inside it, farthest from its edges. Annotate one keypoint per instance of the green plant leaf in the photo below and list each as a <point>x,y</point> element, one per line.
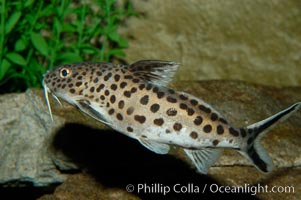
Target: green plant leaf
<point>88,49</point>
<point>69,57</point>
<point>123,43</point>
<point>11,22</point>
<point>28,3</point>
<point>16,58</point>
<point>109,3</point>
<point>39,43</point>
<point>111,31</point>
<point>68,28</point>
<point>57,25</point>
<point>114,36</point>
<point>48,10</point>
<point>5,65</point>
<point>71,28</point>
<point>115,52</point>
<point>21,44</point>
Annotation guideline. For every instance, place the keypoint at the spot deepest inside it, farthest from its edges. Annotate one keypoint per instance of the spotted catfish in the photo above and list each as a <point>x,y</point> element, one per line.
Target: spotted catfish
<point>134,100</point>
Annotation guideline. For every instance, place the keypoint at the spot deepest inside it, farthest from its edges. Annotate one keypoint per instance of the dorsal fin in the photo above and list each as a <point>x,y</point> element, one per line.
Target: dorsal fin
<point>159,72</point>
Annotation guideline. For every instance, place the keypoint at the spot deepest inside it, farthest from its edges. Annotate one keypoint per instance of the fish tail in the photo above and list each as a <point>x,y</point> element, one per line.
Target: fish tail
<point>254,151</point>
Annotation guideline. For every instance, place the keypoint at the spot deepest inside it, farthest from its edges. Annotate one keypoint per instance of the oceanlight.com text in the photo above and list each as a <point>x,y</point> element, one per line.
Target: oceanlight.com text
<point>191,188</point>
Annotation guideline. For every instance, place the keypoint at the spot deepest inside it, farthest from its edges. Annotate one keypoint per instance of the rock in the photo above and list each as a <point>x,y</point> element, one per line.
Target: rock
<point>24,134</point>
<point>38,151</point>
<point>82,186</point>
<point>256,41</point>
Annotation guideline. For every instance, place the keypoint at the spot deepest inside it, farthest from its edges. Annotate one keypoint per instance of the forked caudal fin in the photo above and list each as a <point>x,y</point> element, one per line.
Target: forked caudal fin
<point>254,150</point>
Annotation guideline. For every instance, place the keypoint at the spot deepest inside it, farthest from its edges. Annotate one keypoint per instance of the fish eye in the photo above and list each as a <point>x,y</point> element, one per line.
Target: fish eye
<point>65,72</point>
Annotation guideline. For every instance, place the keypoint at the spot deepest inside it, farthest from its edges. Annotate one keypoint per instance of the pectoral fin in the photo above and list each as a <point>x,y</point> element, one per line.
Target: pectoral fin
<point>91,110</point>
<point>156,147</point>
<point>203,158</point>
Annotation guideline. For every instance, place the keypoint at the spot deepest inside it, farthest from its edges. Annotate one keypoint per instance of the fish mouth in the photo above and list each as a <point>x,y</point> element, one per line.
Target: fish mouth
<point>46,91</point>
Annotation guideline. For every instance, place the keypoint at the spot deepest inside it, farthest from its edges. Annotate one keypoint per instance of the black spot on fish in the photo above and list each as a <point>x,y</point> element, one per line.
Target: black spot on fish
<point>198,120</point>
<point>194,135</point>
<point>129,129</point>
<point>177,126</point>
<point>220,129</point>
<point>171,91</point>
<point>223,120</point>
<point>183,97</point>
<point>112,99</point>
<point>171,112</point>
<point>233,132</point>
<point>243,132</point>
<point>144,100</point>
<point>171,99</point>
<point>114,86</point>
<point>121,104</point>
<point>190,111</point>
<point>123,85</point>
<point>74,75</point>
<point>155,107</point>
<point>135,80</point>
<point>117,77</point>
<point>128,76</point>
<point>107,92</point>
<point>205,109</point>
<point>119,117</point>
<point>215,142</point>
<point>130,110</point>
<point>98,73</point>
<point>207,128</point>
<point>107,77</point>
<point>155,89</point>
<point>140,118</point>
<point>141,86</point>
<point>160,95</point>
<point>100,87</point>
<point>194,102</point>
<point>96,80</point>
<point>127,94</point>
<point>183,106</point>
<point>149,86</point>
<point>158,122</point>
<point>133,89</point>
<point>79,83</point>
<point>214,117</point>
<point>111,111</point>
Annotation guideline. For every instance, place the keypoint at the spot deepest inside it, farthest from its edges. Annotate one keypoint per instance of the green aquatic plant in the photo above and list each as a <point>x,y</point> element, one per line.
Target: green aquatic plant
<point>37,35</point>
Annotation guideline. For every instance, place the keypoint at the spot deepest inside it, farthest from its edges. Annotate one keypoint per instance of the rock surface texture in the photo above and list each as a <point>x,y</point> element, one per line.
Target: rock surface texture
<point>82,186</point>
<point>25,131</point>
<point>33,149</point>
<point>257,41</point>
